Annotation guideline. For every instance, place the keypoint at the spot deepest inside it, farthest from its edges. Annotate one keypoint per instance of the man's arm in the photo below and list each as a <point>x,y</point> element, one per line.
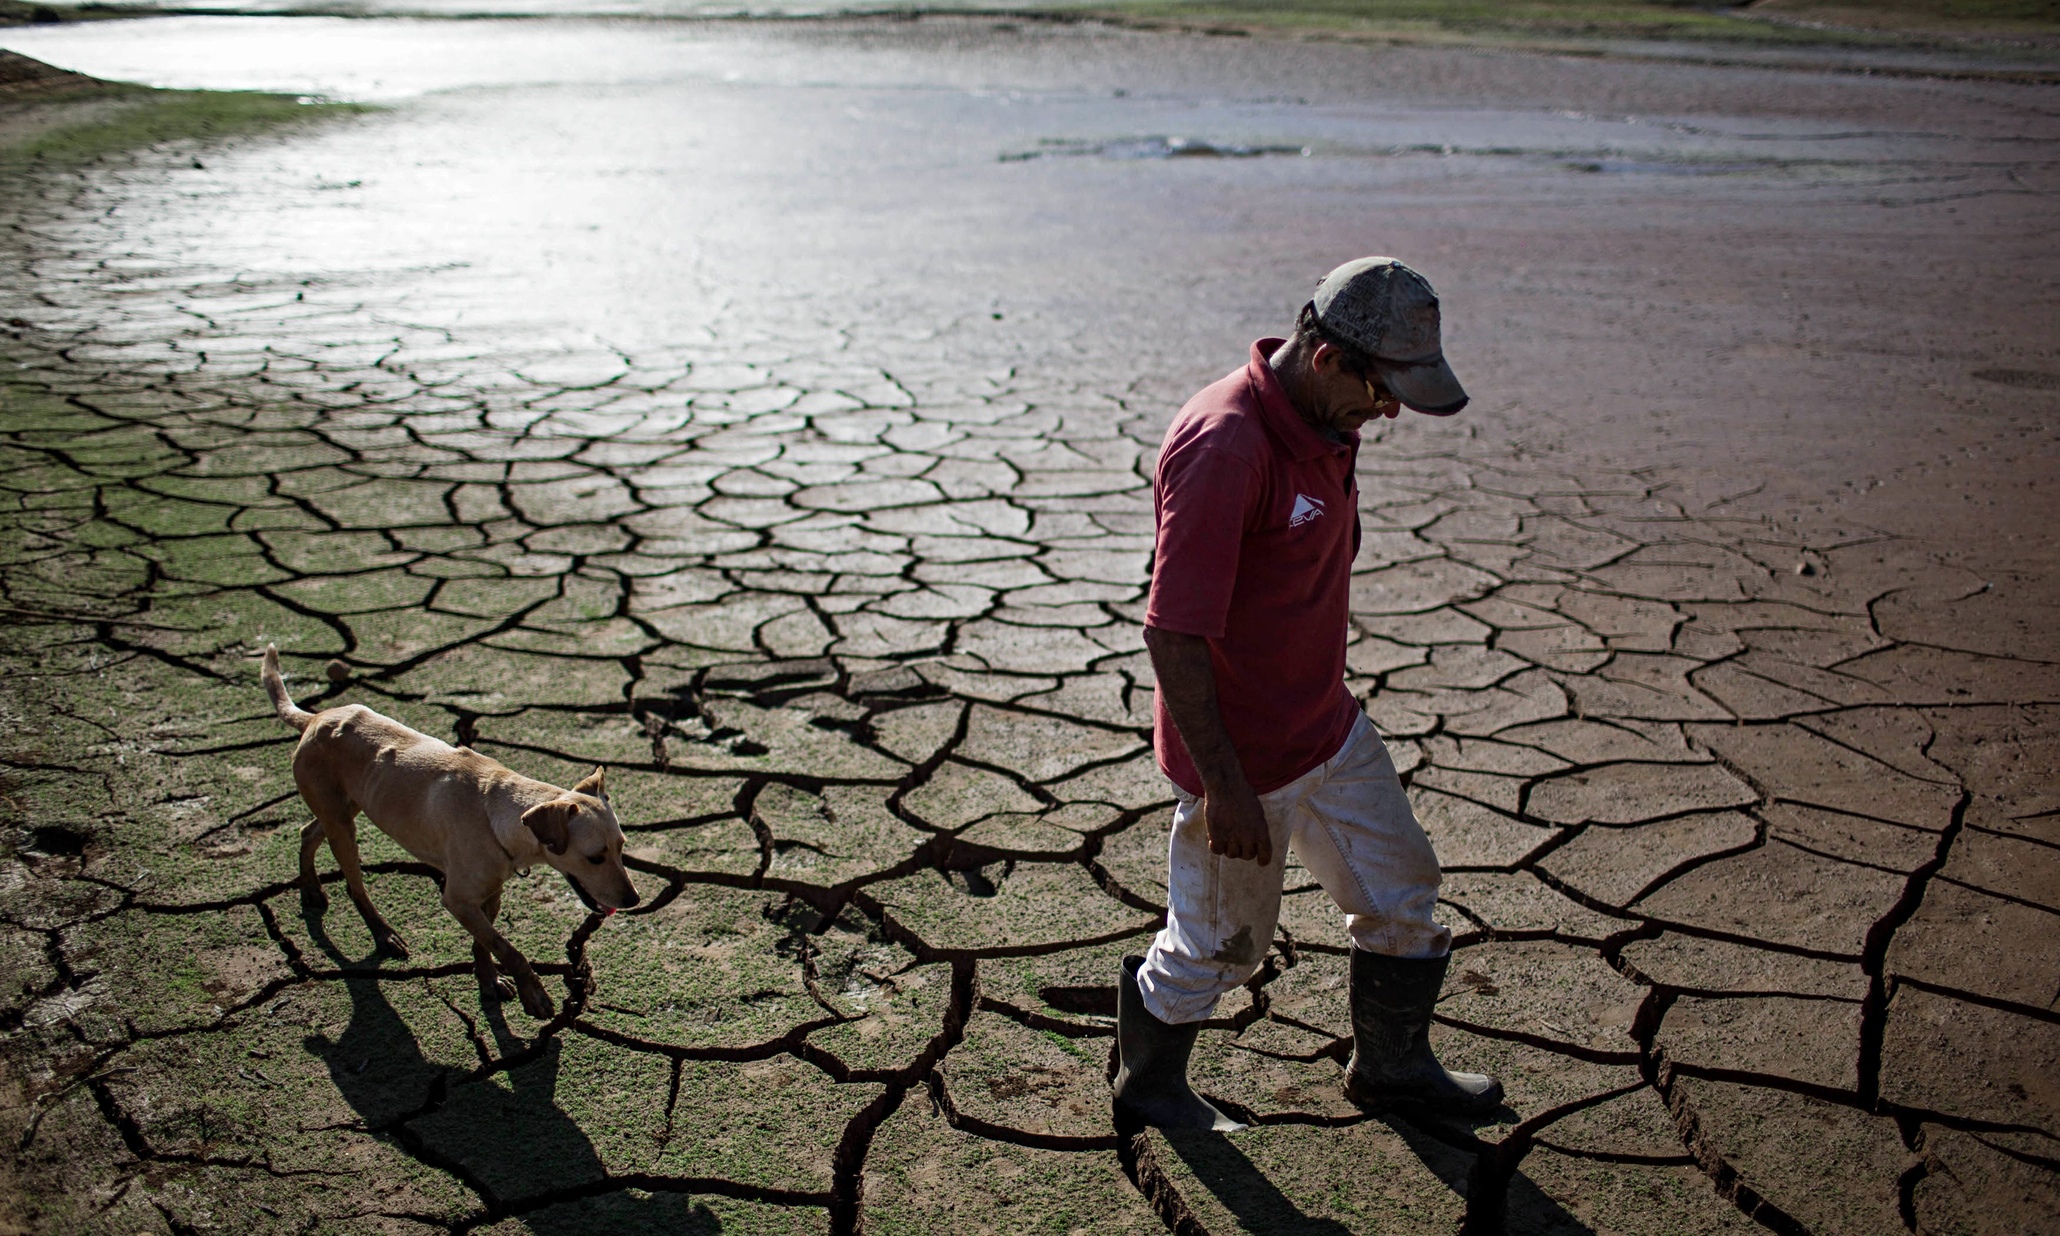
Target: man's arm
<point>1187,682</point>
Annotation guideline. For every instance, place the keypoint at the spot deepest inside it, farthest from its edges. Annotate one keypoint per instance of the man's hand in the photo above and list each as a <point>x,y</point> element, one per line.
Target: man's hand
<point>1237,824</point>
<point>1187,682</point>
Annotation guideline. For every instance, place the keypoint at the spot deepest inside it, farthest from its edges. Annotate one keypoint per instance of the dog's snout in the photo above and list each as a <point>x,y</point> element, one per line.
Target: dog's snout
<point>631,898</point>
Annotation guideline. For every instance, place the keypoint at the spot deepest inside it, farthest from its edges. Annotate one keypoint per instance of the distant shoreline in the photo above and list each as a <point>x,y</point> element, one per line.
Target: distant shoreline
<point>1855,22</point>
<point>1849,23</point>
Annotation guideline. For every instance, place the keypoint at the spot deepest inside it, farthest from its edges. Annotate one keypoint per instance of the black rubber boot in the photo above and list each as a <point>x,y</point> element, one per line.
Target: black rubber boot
<point>1151,1081</point>
<point>1392,1064</point>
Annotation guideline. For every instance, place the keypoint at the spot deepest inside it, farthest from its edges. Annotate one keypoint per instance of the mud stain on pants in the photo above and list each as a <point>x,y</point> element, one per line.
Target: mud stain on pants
<point>1239,950</point>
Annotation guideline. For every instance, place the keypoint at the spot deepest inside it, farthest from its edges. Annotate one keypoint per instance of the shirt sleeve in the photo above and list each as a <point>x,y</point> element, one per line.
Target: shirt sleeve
<point>1202,498</point>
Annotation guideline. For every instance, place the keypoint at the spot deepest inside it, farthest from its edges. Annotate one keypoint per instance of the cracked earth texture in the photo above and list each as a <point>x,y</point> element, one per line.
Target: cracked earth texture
<point>1748,832</point>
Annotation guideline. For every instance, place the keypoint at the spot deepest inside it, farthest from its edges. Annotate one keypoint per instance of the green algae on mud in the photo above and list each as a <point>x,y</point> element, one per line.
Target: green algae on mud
<point>110,117</point>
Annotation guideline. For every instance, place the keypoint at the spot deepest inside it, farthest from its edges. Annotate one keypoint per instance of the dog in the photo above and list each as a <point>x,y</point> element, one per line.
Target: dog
<point>462,813</point>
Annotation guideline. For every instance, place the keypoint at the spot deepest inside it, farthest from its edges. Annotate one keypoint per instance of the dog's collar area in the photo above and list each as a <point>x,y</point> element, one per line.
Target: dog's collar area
<point>521,868</point>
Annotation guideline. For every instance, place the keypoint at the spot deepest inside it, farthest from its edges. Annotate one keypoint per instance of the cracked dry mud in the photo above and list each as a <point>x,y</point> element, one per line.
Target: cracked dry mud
<point>1745,837</point>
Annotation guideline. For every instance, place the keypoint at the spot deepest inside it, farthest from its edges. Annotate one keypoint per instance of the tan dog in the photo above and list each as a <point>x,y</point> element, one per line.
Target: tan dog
<point>456,810</point>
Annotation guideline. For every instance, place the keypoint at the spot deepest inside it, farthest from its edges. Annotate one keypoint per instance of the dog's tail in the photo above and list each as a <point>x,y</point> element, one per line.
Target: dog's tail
<point>275,686</point>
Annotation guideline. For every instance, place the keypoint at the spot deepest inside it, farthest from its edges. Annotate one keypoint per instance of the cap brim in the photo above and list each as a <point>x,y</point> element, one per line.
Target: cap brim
<point>1431,388</point>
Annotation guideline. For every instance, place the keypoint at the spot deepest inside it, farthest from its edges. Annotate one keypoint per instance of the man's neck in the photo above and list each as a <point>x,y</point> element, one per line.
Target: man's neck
<point>1290,366</point>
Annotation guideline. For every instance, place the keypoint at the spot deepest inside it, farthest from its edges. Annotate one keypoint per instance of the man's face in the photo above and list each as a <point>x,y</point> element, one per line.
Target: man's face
<point>1344,400</point>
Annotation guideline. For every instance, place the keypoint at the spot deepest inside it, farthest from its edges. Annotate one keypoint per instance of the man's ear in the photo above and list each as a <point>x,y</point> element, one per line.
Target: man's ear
<point>595,785</point>
<point>551,823</point>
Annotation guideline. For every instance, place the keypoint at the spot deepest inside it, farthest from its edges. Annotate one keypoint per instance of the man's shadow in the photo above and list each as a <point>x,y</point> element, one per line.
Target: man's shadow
<point>1528,1211</point>
<point>504,1135</point>
<point>1242,1189</point>
<point>1259,1206</point>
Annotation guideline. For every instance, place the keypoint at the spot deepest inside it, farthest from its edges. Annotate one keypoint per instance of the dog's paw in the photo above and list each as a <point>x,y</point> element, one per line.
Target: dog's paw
<point>314,897</point>
<point>497,987</point>
<point>536,1003</point>
<point>393,944</point>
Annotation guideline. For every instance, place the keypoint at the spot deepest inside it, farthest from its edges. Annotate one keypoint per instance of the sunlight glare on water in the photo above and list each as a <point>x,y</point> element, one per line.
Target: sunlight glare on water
<point>543,186</point>
<point>538,186</point>
<point>581,8</point>
<point>375,61</point>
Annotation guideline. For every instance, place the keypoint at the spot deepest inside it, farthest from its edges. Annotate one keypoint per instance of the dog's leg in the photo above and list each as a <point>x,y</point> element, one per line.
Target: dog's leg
<point>472,915</point>
<point>311,891</point>
<point>343,842</point>
<point>493,985</point>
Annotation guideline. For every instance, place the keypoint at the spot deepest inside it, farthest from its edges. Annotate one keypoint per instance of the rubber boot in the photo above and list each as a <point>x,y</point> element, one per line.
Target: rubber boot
<point>1151,1079</point>
<point>1392,1064</point>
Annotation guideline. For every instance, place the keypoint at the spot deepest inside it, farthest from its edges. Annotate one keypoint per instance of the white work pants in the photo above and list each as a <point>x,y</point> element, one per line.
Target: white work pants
<point>1350,824</point>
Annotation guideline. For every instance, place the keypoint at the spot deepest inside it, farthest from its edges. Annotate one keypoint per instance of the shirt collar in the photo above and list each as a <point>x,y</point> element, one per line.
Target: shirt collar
<point>1302,440</point>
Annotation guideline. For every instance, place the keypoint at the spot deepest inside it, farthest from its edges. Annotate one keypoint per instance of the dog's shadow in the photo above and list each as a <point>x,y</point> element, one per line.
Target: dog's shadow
<point>504,1136</point>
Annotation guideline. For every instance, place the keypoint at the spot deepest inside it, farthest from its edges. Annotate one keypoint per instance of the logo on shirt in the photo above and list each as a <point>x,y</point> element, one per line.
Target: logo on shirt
<point>1306,510</point>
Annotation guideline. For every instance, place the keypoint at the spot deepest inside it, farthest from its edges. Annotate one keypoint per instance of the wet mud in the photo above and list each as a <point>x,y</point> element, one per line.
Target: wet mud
<point>816,509</point>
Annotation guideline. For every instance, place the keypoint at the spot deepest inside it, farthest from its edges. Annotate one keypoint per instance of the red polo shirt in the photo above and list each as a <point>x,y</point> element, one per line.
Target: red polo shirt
<point>1258,522</point>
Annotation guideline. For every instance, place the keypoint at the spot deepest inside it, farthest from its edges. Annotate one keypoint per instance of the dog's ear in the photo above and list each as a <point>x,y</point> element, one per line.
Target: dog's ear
<point>551,823</point>
<point>595,785</point>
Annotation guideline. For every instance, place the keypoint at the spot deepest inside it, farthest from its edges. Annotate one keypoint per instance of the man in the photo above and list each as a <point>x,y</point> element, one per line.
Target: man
<point>1258,523</point>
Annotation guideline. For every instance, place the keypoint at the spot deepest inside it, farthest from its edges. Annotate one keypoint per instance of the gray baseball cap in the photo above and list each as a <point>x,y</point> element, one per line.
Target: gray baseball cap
<point>1390,312</point>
